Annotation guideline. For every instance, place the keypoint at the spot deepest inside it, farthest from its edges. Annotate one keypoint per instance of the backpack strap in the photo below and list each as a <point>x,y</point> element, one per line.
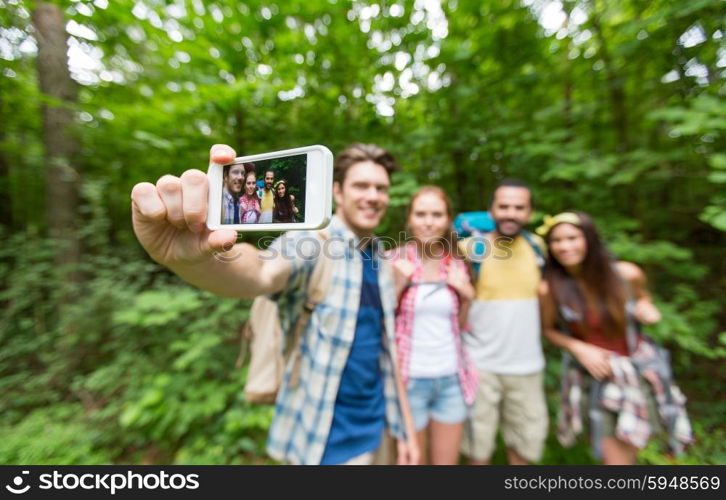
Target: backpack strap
<point>537,247</point>
<point>474,248</point>
<point>317,289</point>
<point>477,250</point>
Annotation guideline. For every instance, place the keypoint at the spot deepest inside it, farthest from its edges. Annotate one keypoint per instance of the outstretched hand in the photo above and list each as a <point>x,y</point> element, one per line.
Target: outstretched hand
<point>169,218</point>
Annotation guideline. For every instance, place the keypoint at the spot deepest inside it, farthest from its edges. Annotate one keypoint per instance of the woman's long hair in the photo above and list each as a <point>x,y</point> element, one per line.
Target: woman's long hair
<point>282,210</point>
<point>449,240</point>
<point>599,276</point>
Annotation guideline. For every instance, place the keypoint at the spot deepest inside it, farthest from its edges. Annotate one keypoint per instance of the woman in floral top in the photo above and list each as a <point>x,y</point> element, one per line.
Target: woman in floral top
<point>249,203</point>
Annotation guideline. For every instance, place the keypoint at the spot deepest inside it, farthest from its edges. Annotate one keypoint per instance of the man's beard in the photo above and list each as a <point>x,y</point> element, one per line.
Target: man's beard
<point>268,186</point>
<point>512,235</point>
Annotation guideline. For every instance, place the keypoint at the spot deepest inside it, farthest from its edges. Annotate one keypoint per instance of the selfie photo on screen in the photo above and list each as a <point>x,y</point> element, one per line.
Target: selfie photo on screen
<point>264,192</point>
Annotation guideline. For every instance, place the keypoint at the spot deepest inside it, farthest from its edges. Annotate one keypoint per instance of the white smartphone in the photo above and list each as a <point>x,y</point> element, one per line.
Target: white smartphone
<point>278,191</point>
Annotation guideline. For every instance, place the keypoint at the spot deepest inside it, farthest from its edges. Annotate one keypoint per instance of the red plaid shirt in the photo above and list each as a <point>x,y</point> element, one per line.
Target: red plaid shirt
<point>466,371</point>
<point>625,396</point>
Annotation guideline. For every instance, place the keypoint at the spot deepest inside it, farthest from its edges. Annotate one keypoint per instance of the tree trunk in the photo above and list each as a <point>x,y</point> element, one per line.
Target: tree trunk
<point>61,145</point>
<point>567,120</point>
<point>458,158</point>
<point>6,214</point>
<point>616,88</point>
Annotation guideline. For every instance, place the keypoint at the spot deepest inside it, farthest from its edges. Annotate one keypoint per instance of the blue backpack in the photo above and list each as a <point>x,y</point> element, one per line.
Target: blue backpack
<point>477,225</point>
<point>473,223</point>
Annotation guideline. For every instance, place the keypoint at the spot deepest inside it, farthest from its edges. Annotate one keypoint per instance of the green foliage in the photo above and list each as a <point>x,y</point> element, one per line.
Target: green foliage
<point>152,370</point>
<point>51,436</point>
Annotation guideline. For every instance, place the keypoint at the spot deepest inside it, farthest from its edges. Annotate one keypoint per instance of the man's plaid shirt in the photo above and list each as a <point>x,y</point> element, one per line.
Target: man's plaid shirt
<point>304,414</point>
<point>228,206</point>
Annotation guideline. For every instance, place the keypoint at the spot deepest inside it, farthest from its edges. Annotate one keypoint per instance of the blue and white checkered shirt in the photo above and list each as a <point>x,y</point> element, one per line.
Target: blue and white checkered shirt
<point>229,205</point>
<point>304,414</point>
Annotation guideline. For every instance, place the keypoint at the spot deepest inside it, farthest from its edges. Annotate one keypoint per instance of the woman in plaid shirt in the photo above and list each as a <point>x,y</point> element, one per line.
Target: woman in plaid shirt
<point>433,287</point>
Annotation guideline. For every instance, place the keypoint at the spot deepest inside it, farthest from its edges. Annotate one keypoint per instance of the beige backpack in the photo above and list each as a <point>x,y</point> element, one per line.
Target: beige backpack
<point>262,337</point>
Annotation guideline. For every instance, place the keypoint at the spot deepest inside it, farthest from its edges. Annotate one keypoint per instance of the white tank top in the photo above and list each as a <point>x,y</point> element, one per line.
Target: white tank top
<point>433,352</point>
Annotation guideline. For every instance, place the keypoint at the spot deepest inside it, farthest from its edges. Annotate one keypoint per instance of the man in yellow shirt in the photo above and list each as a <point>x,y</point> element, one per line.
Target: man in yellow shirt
<point>504,342</point>
<point>267,198</point>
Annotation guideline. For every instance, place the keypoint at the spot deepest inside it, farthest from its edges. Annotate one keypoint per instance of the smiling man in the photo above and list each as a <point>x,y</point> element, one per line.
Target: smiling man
<point>267,197</point>
<point>232,177</point>
<point>349,390</point>
<point>505,335</point>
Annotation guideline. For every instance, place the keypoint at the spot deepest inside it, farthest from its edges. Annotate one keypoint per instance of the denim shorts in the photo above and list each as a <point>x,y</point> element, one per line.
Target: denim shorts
<point>438,398</point>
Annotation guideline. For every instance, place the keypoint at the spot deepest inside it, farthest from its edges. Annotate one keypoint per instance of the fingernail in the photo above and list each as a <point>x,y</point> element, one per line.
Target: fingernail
<point>221,150</point>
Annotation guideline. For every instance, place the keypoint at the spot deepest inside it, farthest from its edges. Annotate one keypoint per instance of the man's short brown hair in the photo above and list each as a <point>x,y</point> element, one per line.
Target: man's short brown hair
<point>249,167</point>
<point>357,153</point>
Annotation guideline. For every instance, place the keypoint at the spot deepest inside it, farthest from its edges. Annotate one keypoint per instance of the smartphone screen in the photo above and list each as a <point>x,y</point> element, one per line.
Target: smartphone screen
<point>269,191</point>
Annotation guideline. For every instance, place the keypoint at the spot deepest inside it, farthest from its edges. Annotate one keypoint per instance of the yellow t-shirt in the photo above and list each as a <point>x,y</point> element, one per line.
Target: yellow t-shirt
<point>268,200</point>
<point>504,316</point>
<point>509,272</point>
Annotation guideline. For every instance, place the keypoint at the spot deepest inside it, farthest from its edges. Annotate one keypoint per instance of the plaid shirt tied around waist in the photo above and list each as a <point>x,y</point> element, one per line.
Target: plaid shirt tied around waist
<point>624,396</point>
